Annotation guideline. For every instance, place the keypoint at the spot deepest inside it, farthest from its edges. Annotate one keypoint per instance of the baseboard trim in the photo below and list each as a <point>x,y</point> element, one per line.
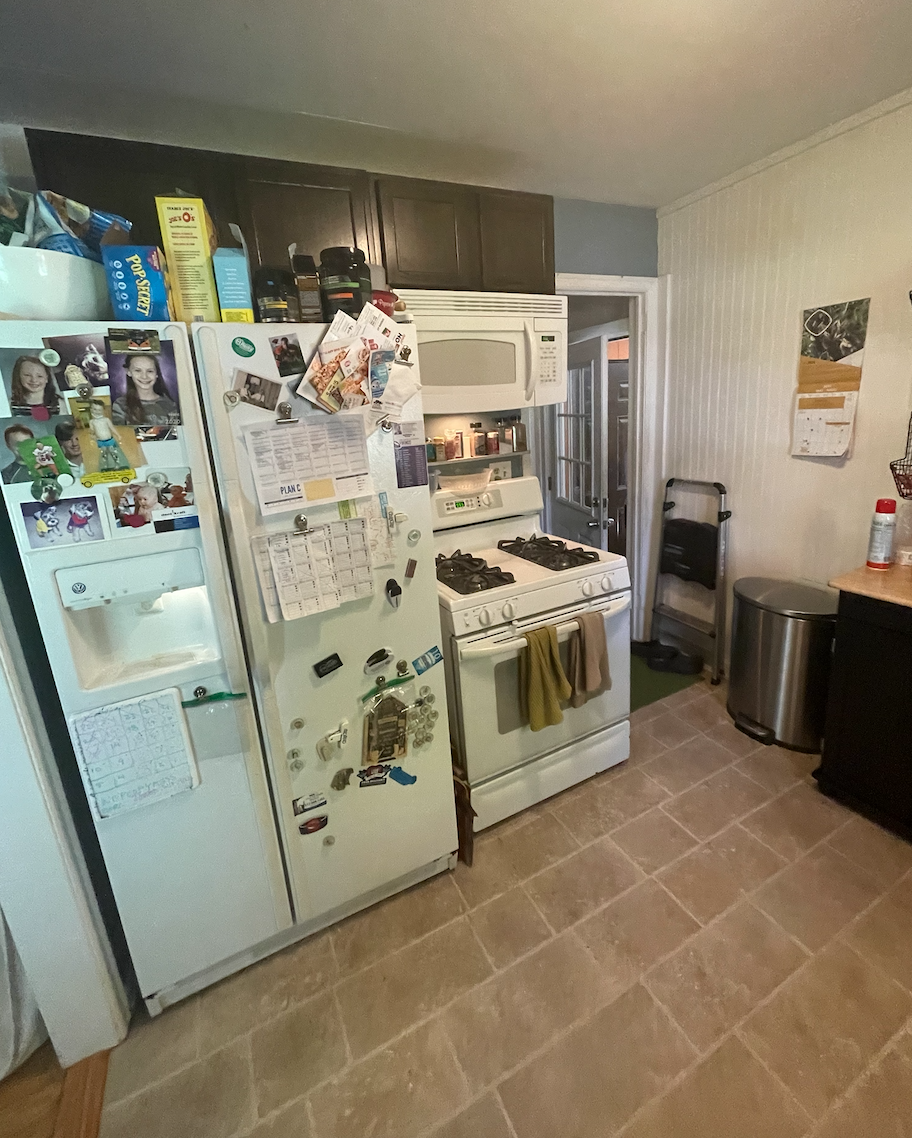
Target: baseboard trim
<point>79,1115</point>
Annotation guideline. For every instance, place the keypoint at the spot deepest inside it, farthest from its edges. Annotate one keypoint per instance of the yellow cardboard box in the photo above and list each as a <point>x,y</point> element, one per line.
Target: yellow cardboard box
<point>188,238</point>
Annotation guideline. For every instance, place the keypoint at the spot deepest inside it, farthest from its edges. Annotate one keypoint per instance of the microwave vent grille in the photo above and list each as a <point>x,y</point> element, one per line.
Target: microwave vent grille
<point>424,302</point>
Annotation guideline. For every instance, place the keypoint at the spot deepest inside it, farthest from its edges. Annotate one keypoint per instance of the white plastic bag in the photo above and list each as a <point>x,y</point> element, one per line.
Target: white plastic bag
<point>22,1029</point>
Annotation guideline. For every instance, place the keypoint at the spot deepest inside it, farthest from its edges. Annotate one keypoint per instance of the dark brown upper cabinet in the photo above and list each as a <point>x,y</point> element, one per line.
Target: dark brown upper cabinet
<point>517,241</point>
<point>430,233</point>
<point>316,206</point>
<point>125,177</point>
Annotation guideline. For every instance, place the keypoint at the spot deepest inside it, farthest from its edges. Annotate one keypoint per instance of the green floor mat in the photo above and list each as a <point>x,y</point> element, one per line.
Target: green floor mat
<point>647,686</point>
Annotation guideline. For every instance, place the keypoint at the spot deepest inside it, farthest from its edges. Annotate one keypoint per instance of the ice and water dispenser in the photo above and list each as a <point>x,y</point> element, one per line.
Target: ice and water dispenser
<point>137,617</point>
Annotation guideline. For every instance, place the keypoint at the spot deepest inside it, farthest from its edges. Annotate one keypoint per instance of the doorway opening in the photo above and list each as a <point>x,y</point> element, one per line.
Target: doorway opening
<point>586,439</point>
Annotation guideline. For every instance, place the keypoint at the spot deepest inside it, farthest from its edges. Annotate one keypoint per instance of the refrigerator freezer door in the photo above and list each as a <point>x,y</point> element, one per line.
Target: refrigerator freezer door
<point>381,826</point>
<point>198,876</point>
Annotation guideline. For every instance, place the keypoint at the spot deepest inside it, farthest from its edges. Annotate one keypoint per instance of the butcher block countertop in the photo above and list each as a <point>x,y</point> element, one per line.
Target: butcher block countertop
<point>893,585</point>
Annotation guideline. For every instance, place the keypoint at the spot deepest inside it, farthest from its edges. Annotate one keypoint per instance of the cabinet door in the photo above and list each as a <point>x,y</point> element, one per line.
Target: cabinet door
<point>517,242</point>
<point>316,206</point>
<point>124,178</point>
<point>430,233</point>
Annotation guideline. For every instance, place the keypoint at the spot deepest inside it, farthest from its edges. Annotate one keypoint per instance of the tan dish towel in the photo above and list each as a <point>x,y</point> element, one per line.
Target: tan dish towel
<point>588,658</point>
<point>542,682</point>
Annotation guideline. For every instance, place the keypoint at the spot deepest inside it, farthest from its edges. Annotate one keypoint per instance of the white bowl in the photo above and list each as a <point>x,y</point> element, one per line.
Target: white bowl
<point>39,284</point>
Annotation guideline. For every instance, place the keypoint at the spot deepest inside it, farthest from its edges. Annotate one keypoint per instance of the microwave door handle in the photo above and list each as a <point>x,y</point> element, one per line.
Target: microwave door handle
<point>531,361</point>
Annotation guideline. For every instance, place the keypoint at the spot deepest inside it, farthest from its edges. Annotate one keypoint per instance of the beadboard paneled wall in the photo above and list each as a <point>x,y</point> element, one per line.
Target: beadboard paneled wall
<point>833,223</point>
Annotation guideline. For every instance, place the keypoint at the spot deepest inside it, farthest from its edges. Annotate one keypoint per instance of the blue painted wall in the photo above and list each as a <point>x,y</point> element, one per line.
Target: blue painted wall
<point>616,240</point>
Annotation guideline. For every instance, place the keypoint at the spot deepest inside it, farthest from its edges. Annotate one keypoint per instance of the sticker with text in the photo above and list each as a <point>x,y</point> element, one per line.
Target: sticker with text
<point>427,660</point>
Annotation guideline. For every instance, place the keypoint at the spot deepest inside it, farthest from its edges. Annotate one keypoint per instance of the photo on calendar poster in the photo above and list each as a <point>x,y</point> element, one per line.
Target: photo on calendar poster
<point>77,359</point>
<point>29,388</point>
<point>163,501</point>
<point>143,385</point>
<point>70,521</point>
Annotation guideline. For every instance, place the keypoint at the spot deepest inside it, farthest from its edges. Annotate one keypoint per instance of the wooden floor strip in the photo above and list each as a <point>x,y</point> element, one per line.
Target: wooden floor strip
<point>79,1115</point>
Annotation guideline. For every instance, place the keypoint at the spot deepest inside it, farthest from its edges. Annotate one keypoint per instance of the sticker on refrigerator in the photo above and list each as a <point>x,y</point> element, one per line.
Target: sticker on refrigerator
<point>410,451</point>
<point>161,503</point>
<point>71,521</point>
<point>143,385</point>
<point>297,464</point>
<point>123,340</point>
<point>427,660</point>
<point>312,825</point>
<point>374,775</point>
<point>397,774</point>
<point>308,802</point>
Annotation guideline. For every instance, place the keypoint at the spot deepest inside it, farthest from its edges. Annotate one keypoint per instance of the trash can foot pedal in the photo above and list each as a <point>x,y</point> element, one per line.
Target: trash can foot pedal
<point>753,730</point>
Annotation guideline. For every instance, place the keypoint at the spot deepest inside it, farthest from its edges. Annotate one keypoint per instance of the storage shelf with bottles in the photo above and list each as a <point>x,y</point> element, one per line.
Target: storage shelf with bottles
<point>478,458</point>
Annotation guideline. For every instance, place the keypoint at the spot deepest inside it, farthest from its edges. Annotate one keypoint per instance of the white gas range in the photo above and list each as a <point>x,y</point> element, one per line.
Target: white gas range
<point>490,595</point>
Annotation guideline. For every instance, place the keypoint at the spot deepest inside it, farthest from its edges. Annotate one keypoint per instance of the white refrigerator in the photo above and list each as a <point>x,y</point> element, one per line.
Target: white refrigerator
<point>250,680</point>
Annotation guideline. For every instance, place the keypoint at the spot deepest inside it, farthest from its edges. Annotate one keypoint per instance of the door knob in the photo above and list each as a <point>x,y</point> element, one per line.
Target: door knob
<point>592,525</point>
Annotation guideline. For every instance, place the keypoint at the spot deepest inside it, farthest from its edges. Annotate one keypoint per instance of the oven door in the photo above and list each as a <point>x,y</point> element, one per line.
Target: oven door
<point>494,735</point>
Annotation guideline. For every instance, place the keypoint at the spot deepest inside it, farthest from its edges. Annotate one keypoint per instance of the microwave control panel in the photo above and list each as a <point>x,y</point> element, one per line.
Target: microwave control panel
<point>548,343</point>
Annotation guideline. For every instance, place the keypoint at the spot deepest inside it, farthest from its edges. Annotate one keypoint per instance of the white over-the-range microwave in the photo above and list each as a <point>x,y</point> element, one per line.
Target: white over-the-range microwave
<point>489,351</point>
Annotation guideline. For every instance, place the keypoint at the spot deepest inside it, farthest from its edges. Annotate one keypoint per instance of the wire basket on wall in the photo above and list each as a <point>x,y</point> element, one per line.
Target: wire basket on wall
<point>902,469</point>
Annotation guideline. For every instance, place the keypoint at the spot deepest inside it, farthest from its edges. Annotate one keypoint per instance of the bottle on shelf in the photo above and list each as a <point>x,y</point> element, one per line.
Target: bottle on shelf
<point>479,439</point>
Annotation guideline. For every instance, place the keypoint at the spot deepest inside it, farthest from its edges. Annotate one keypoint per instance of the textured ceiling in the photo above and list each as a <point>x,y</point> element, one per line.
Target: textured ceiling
<point>629,101</point>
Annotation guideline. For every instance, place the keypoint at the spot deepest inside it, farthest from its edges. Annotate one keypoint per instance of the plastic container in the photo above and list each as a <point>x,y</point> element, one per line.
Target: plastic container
<point>345,281</point>
<point>275,296</point>
<point>465,483</point>
<point>902,546</point>
<point>883,531</point>
<point>307,283</point>
<point>39,284</point>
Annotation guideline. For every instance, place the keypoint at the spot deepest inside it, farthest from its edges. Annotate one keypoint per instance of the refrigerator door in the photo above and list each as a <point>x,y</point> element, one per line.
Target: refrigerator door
<point>113,512</point>
<point>348,837</point>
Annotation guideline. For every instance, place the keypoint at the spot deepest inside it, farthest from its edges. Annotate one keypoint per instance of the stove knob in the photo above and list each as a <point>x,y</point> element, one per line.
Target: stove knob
<point>587,588</point>
<point>606,584</point>
<point>484,617</point>
<point>486,499</point>
<point>509,610</point>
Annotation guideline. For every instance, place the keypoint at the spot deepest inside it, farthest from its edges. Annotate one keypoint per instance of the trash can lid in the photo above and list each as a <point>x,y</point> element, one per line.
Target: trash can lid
<point>788,598</point>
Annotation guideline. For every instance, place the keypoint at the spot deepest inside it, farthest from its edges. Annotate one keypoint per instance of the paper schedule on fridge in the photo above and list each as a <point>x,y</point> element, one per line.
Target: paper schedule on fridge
<point>319,570</point>
<point>296,465</point>
<point>134,753</point>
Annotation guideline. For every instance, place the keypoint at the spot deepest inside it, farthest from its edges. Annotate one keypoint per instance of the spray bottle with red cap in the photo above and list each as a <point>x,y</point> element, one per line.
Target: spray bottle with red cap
<point>883,530</point>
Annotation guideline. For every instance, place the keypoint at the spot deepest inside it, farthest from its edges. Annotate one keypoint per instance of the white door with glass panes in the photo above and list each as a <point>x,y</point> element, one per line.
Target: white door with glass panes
<point>586,448</point>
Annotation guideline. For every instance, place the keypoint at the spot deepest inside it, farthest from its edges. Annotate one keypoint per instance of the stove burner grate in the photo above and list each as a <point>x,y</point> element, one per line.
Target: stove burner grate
<point>548,552</point>
<point>467,574</point>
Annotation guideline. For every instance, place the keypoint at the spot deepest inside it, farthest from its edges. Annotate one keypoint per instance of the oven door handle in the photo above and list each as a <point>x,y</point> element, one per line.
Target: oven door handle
<point>505,647</point>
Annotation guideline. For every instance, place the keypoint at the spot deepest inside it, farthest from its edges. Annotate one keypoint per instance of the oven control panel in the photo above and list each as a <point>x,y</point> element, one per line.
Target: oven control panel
<point>451,506</point>
<point>522,606</point>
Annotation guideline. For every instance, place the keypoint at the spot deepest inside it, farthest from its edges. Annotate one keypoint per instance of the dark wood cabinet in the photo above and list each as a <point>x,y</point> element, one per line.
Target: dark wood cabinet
<point>517,241</point>
<point>430,233</point>
<point>867,749</point>
<point>125,177</point>
<point>316,206</point>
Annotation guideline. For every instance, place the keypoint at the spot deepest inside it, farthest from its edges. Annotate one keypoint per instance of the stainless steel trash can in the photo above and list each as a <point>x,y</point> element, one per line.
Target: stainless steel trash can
<point>782,637</point>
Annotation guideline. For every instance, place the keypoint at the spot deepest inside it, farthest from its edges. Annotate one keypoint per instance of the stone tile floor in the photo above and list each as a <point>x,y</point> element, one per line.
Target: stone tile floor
<point>694,944</point>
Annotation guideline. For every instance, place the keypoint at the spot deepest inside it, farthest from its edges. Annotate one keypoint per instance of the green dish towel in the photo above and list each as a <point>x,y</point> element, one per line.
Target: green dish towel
<point>542,682</point>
